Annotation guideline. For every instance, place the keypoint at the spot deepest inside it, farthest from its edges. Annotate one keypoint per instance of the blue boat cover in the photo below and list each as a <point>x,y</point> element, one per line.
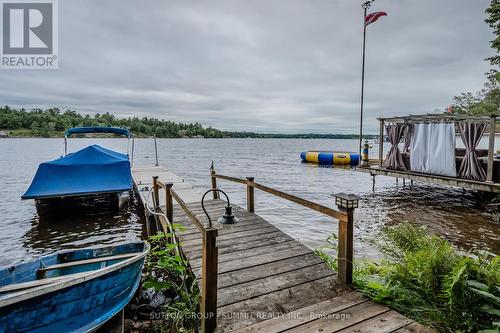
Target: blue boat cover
<point>91,170</point>
<point>97,129</point>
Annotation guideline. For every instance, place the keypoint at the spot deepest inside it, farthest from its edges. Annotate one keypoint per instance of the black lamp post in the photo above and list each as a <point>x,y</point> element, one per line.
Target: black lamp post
<point>228,218</point>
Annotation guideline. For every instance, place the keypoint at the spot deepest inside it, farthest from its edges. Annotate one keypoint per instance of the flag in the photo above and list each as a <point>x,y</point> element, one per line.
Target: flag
<point>373,17</point>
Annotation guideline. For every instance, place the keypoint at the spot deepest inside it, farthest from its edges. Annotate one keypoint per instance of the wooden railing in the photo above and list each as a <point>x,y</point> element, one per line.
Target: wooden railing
<point>344,214</point>
<point>208,305</point>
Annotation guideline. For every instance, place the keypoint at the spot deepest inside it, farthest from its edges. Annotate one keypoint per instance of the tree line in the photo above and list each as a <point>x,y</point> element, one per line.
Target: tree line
<point>50,122</point>
<point>53,122</point>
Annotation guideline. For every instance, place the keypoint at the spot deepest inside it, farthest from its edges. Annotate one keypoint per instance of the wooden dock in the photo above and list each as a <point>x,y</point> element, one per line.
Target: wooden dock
<point>265,281</point>
<point>143,182</point>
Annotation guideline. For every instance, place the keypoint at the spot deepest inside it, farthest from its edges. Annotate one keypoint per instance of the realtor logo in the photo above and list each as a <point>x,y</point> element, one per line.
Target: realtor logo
<point>29,34</point>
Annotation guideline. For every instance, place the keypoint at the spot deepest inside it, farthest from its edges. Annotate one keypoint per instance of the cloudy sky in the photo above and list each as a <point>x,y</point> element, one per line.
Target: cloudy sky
<point>289,66</point>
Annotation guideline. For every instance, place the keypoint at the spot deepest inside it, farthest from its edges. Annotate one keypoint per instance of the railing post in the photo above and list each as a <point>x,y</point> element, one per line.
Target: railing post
<point>346,204</point>
<point>214,181</point>
<point>156,193</point>
<point>250,195</point>
<point>169,207</point>
<point>208,305</point>
<point>491,149</point>
<point>381,144</point>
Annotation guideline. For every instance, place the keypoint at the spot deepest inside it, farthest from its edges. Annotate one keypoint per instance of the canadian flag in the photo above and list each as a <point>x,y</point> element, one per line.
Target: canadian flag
<point>373,17</point>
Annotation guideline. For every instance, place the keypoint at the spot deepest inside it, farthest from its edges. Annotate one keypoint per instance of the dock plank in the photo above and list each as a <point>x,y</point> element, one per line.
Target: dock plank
<point>194,252</point>
<point>268,306</point>
<point>384,323</point>
<point>271,283</point>
<point>259,269</point>
<point>237,235</point>
<point>334,322</point>
<point>415,328</point>
<point>306,314</point>
<point>243,259</point>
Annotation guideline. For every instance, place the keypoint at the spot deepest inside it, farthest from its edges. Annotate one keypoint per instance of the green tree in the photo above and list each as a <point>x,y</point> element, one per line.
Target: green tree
<point>487,100</point>
<point>493,20</point>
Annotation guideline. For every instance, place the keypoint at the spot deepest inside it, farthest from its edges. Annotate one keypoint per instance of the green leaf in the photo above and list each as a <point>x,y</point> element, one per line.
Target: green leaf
<point>488,308</point>
<point>477,285</point>
<point>178,227</point>
<point>487,295</point>
<point>157,285</point>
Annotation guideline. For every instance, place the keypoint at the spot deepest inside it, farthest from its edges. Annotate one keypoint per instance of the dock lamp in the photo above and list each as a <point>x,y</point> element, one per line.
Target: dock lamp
<point>346,201</point>
<point>345,253</point>
<point>228,219</point>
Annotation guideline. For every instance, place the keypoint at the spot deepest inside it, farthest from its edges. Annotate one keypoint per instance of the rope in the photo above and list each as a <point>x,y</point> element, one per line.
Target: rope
<point>171,229</point>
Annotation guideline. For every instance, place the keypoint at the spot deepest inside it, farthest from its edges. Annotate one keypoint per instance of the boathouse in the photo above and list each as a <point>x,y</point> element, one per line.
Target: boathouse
<point>440,149</point>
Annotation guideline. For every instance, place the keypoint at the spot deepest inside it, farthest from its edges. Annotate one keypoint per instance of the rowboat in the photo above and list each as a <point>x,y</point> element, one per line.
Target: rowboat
<point>92,175</point>
<point>70,291</point>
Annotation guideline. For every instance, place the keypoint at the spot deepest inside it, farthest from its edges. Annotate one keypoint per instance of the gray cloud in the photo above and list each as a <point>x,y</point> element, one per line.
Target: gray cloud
<point>269,66</point>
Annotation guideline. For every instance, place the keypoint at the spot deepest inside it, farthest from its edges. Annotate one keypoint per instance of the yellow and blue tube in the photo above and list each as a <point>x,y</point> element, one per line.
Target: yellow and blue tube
<point>330,157</point>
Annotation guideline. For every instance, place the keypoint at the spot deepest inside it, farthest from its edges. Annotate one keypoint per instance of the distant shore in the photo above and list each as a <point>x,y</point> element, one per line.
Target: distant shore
<point>27,133</point>
<point>51,123</point>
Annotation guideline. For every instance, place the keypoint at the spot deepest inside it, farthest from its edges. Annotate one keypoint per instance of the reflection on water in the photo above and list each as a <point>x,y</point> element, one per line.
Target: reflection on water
<point>49,233</point>
<point>275,162</point>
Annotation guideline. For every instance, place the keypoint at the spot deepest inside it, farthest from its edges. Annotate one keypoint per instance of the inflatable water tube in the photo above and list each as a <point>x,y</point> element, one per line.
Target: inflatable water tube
<point>330,157</point>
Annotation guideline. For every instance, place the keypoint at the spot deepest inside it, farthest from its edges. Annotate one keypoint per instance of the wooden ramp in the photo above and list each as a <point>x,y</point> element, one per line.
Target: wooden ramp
<point>269,282</point>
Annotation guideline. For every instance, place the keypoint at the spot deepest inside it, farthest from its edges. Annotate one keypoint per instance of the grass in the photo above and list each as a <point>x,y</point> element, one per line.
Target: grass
<point>427,279</point>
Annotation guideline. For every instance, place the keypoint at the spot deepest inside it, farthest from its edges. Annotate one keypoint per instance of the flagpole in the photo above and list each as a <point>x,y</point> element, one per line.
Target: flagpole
<point>365,6</point>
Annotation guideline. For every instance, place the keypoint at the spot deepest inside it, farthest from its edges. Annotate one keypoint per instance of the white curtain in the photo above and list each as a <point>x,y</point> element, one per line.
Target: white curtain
<point>433,149</point>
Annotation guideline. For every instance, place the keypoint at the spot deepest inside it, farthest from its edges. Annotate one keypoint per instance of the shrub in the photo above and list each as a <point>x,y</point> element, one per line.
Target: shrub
<point>428,280</point>
<point>167,271</point>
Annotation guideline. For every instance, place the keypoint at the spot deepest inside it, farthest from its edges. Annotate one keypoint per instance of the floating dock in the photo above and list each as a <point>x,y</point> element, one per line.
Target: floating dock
<point>265,280</point>
<point>377,170</point>
<point>486,174</point>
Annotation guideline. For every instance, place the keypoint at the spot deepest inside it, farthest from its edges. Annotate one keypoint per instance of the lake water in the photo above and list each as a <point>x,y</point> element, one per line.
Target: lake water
<point>274,162</point>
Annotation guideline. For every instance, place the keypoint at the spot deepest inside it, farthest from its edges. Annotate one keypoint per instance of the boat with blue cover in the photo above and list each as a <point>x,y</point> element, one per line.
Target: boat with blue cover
<point>70,291</point>
<point>93,172</point>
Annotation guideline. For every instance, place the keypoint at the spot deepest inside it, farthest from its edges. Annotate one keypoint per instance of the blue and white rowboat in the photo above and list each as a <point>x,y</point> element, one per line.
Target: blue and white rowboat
<point>70,291</point>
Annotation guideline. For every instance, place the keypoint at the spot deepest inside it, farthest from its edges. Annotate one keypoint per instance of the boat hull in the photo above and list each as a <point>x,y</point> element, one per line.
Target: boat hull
<point>80,307</point>
<point>82,205</point>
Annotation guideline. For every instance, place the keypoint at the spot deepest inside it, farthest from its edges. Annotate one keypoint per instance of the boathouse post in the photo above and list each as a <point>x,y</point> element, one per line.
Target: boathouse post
<point>365,160</point>
<point>250,195</point>
<point>214,181</point>
<point>209,269</point>
<point>169,207</point>
<point>491,148</point>
<point>346,204</point>
<point>156,192</point>
<point>381,144</point>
